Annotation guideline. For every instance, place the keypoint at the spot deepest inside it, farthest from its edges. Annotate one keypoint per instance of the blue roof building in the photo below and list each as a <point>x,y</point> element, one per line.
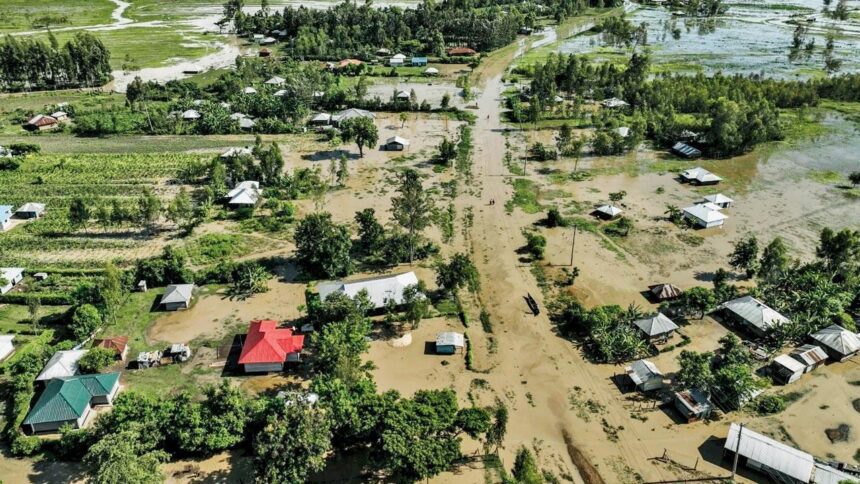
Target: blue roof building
<point>419,61</point>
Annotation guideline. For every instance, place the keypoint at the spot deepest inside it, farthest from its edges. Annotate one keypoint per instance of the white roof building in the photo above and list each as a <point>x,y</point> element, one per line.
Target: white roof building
<point>838,341</point>
<point>700,175</point>
<point>623,131</point>
<point>451,338</point>
<point>12,275</point>
<point>247,123</point>
<point>397,140</point>
<point>276,81</point>
<point>6,346</point>
<point>191,114</point>
<point>62,364</point>
<point>645,375</point>
<point>431,71</point>
<point>244,193</point>
<point>352,113</point>
<point>177,294</point>
<point>31,207</point>
<point>610,211</point>
<point>719,199</point>
<point>249,90</point>
<point>280,93</point>
<point>321,118</point>
<point>705,216</point>
<point>237,151</point>
<point>656,325</point>
<point>756,314</point>
<point>380,289</point>
<point>769,455</point>
<point>613,102</point>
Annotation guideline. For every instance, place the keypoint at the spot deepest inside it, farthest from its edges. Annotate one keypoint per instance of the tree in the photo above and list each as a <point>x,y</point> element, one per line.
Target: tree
<point>854,178</point>
<point>111,291</point>
<point>459,272</point>
<point>123,457</point>
<point>225,414</point>
<point>697,300</point>
<point>370,231</point>
<point>526,470</point>
<point>323,247</point>
<point>840,250</point>
<point>361,130</point>
<point>292,444</point>
<point>447,151</point>
<point>96,360</point>
<point>85,320</point>
<point>554,218</point>
<point>149,209</point>
<point>499,428</point>
<point>774,259</point>
<point>181,211</point>
<point>695,371</point>
<point>535,244</point>
<point>745,255</point>
<point>616,197</point>
<point>250,279</point>
<point>404,116</point>
<point>412,208</point>
<point>338,348</point>
<point>416,304</point>
<point>34,306</point>
<point>79,213</point>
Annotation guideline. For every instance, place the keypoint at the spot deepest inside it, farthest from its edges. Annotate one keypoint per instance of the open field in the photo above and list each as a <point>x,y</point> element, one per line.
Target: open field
<point>21,15</point>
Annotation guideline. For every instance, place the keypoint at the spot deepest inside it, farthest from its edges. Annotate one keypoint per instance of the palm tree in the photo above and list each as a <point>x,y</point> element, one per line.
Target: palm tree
<point>674,214</point>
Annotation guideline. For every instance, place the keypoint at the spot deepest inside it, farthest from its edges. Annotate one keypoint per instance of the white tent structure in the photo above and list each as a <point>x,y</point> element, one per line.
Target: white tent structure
<point>62,364</point>
<point>396,143</point>
<point>705,216</point>
<point>379,289</point>
<point>191,115</point>
<point>249,90</point>
<point>431,71</point>
<point>608,211</point>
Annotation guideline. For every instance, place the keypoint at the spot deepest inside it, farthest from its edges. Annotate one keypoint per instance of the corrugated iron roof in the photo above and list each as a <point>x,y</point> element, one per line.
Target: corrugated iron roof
<point>67,398</point>
<point>775,455</point>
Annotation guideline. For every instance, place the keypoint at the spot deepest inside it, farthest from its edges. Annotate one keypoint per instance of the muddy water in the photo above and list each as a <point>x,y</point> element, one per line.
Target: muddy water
<point>747,40</point>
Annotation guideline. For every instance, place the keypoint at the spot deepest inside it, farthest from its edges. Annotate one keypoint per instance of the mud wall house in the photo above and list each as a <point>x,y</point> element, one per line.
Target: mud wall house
<point>6,345</point>
<point>13,276</point>
<point>779,462</point>
<point>69,400</point>
<point>752,315</point>
<point>379,289</point>
<point>786,369</point>
<point>177,296</point>
<point>450,342</point>
<point>267,348</point>
<point>5,216</point>
<point>693,405</point>
<point>839,343</point>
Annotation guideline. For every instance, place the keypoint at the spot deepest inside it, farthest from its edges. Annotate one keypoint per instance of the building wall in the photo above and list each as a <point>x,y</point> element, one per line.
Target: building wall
<point>263,367</point>
<point>175,306</point>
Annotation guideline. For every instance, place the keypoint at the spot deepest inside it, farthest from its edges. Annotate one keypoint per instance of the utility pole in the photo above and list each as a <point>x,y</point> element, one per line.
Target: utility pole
<point>737,449</point>
<point>572,245</point>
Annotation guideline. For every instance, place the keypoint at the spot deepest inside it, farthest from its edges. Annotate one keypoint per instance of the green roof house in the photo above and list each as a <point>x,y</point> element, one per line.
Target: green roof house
<point>69,400</point>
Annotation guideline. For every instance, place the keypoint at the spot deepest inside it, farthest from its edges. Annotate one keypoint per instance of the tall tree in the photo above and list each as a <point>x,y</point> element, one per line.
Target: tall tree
<point>292,444</point>
<point>412,208</point>
<point>360,130</point>
<point>323,247</point>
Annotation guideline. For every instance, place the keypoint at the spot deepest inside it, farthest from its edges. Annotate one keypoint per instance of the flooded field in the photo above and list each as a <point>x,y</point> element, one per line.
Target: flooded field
<point>751,38</point>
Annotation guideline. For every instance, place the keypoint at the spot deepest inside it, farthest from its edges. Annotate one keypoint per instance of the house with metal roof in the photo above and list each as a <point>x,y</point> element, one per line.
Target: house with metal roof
<point>683,149</point>
<point>321,119</point>
<point>69,400</point>
<point>719,200</point>
<point>450,342</point>
<point>5,216</point>
<point>839,343</point>
<point>753,315</point>
<point>607,212</point>
<point>657,328</point>
<point>30,210</point>
<point>693,405</point>
<point>249,90</point>
<point>704,216</point>
<point>191,115</point>
<point>786,369</point>
<point>117,344</point>
<point>664,292</point>
<point>379,289</point>
<point>12,276</point>
<point>462,52</point>
<point>644,375</point>
<point>811,356</point>
<point>614,102</point>
<point>396,143</point>
<point>236,151</point>
<point>41,122</point>
<point>419,61</point>
<point>177,296</point>
<point>351,113</point>
<point>431,71</point>
<point>62,364</point>
<point>267,347</point>
<point>699,176</point>
<point>6,345</point>
<point>781,462</point>
<point>276,81</point>
<point>397,60</point>
<point>244,194</point>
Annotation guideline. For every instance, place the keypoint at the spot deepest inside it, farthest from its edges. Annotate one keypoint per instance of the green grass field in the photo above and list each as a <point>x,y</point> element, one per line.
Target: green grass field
<point>26,15</point>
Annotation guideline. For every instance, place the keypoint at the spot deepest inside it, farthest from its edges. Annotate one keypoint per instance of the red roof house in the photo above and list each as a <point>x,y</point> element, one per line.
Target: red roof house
<point>268,347</point>
<point>119,345</point>
<point>461,52</point>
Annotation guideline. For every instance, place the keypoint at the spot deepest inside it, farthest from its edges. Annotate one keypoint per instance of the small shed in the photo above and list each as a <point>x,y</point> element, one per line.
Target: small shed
<point>280,93</point>
<point>60,116</point>
<point>397,60</point>
<point>40,276</point>
<point>177,296</point>
<point>12,276</point>
<point>811,356</point>
<point>699,176</point>
<point>276,81</point>
<point>6,345</point>
<point>685,151</point>
<point>719,200</point>
<point>431,71</point>
<point>191,115</point>
<point>656,329</point>
<point>645,375</point>
<point>244,194</point>
<point>450,342</point>
<point>786,369</point>
<point>396,143</point>
<point>704,216</point>
<point>402,95</point>
<point>30,210</point>
<point>839,343</point>
<point>607,212</point>
<point>117,344</point>
<point>264,52</point>
<point>249,90</point>
<point>665,292</point>
<point>5,216</point>
<point>693,405</point>
<point>419,61</point>
<point>41,122</point>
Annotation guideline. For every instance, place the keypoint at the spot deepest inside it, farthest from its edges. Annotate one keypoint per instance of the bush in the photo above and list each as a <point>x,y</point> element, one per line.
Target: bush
<point>555,219</point>
<point>770,404</point>
<point>46,298</point>
<point>96,360</point>
<point>535,244</point>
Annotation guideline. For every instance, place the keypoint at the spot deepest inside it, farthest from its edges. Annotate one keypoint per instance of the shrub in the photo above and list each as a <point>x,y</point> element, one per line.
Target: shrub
<point>535,244</point>
<point>96,360</point>
<point>770,404</point>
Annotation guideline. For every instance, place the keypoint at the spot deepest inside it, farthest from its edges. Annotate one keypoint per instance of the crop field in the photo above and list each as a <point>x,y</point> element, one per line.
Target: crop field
<point>25,15</point>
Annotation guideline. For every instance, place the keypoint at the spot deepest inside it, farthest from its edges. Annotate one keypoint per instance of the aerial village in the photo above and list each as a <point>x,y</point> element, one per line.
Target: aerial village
<point>514,242</point>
